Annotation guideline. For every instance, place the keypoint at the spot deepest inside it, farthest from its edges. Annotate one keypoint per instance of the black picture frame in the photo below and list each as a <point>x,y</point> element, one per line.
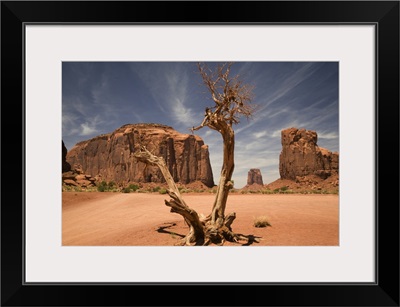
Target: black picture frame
<point>383,14</point>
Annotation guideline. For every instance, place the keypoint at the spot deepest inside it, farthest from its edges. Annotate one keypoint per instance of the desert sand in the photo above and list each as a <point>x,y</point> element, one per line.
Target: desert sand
<point>142,219</point>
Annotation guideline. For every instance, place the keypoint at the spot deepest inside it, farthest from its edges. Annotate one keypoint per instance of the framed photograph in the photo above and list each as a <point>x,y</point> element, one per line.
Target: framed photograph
<point>307,92</point>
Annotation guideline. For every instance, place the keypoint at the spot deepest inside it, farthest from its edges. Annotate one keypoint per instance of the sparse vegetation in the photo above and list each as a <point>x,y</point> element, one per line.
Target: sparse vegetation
<point>162,191</point>
<point>126,190</point>
<point>133,187</point>
<point>107,187</point>
<point>71,188</point>
<point>261,221</point>
<point>112,187</point>
<point>267,191</point>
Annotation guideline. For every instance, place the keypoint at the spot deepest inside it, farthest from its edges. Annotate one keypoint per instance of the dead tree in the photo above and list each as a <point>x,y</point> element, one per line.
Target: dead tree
<point>231,100</point>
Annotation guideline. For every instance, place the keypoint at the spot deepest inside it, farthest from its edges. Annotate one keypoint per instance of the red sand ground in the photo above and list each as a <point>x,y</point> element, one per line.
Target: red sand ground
<point>142,219</point>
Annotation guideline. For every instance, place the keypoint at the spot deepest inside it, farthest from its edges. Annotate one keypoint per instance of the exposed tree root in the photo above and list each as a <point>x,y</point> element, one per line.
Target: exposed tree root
<point>201,231</point>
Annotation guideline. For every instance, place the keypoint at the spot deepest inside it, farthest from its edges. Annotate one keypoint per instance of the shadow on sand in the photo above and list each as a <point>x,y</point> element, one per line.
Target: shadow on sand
<point>161,229</point>
<point>250,238</point>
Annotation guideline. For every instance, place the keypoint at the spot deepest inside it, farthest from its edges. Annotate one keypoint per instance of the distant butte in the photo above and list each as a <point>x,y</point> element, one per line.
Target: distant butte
<point>304,166</point>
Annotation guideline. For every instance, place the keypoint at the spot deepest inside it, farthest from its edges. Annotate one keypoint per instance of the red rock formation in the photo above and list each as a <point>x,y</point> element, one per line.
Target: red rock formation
<point>76,178</point>
<point>254,177</point>
<point>110,156</point>
<point>65,165</point>
<point>301,156</point>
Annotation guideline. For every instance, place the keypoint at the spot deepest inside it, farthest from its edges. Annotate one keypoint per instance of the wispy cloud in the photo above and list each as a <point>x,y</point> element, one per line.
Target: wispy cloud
<point>168,86</point>
<point>177,82</point>
<point>86,129</point>
<point>137,117</point>
<point>88,111</point>
<point>273,101</point>
<point>328,135</point>
<point>100,97</point>
<point>99,90</point>
<point>260,134</point>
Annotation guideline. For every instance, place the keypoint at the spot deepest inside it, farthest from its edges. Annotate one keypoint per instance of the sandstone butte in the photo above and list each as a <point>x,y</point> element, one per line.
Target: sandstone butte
<point>254,177</point>
<point>109,157</point>
<point>301,156</point>
<point>302,164</point>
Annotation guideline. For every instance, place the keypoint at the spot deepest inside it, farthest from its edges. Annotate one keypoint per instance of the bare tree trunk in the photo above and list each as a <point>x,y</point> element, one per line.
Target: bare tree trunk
<point>225,183</point>
<point>231,99</point>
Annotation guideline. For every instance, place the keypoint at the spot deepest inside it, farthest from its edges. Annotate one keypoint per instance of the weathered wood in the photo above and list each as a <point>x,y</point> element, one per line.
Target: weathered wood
<point>177,204</point>
<point>231,98</point>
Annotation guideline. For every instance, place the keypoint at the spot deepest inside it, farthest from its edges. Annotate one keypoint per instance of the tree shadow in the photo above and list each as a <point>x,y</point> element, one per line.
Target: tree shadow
<point>250,239</point>
<point>161,229</point>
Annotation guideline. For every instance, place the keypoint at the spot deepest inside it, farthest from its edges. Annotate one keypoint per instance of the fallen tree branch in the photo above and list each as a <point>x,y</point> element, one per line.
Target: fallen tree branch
<point>196,233</point>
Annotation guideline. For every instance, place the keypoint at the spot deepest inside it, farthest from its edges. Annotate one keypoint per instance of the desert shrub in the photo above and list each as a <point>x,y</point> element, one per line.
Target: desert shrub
<point>268,191</point>
<point>126,190</point>
<point>162,191</point>
<point>284,188</point>
<point>319,191</point>
<point>68,188</point>
<point>261,221</point>
<point>276,190</point>
<point>103,183</point>
<point>156,189</point>
<point>91,189</point>
<point>186,191</point>
<point>104,186</point>
<point>133,187</point>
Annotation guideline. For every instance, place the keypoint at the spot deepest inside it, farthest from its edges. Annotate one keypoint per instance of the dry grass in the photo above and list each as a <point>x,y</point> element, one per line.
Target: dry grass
<point>261,221</point>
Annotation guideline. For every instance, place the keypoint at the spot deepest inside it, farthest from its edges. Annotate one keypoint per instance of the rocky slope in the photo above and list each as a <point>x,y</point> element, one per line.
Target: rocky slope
<point>109,157</point>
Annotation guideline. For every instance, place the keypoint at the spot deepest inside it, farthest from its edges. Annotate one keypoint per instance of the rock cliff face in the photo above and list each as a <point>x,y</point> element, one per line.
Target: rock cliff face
<point>65,165</point>
<point>301,156</point>
<point>109,157</point>
<point>254,177</point>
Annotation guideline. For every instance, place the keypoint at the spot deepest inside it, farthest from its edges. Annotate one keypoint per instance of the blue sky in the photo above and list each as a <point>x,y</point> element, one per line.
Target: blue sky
<point>99,97</point>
